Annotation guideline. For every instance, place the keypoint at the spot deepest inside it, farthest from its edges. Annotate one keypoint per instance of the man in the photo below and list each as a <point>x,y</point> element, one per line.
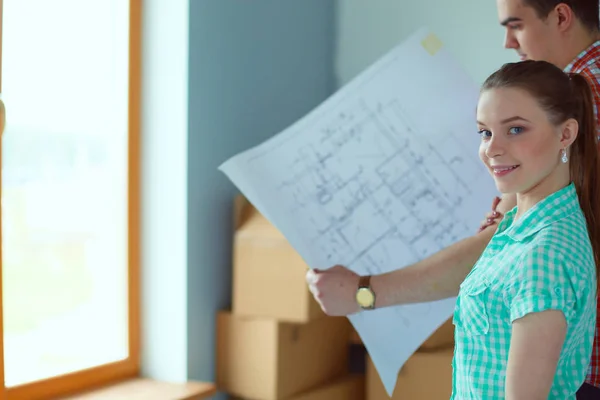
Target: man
<point>564,33</point>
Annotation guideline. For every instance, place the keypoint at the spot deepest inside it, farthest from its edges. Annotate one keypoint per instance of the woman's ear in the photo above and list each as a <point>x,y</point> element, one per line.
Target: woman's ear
<point>569,131</point>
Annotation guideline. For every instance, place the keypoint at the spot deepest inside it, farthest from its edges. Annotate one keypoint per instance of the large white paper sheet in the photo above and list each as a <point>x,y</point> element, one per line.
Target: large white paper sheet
<point>382,174</point>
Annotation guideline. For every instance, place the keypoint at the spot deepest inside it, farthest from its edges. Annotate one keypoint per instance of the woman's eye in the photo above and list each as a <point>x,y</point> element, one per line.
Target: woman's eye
<point>516,130</point>
<point>484,133</point>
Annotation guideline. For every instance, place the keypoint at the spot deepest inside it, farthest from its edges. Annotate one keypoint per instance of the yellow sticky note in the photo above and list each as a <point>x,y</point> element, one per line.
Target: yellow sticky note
<point>432,44</point>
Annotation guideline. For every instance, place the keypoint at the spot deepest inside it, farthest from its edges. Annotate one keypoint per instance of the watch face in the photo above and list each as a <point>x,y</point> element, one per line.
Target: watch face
<point>365,297</point>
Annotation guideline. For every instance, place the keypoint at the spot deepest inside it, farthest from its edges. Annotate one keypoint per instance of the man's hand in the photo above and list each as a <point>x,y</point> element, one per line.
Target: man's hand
<point>334,289</point>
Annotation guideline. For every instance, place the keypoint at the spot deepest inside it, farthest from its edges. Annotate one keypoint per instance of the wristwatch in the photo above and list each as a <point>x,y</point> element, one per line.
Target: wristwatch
<point>365,296</point>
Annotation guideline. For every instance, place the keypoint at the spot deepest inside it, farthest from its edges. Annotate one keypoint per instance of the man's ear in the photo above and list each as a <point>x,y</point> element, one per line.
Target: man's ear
<point>563,16</point>
<point>569,132</point>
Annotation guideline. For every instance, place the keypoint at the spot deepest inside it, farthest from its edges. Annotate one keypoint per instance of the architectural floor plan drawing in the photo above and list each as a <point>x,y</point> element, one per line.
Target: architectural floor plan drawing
<point>382,174</point>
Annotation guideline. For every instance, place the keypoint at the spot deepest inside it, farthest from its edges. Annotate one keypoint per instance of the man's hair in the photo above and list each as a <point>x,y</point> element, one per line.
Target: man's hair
<point>586,11</point>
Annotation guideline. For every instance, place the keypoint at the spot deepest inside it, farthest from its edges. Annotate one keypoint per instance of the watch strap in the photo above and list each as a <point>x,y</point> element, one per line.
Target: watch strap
<point>364,282</point>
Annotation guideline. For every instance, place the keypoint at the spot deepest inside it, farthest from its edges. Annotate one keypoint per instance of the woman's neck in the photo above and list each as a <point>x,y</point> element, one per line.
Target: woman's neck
<point>528,199</point>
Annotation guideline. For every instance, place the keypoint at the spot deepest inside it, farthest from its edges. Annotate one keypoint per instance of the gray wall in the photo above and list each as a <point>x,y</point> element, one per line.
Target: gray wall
<point>254,68</point>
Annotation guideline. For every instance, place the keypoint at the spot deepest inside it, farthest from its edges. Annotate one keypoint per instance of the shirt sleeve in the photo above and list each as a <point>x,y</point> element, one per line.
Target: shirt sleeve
<point>541,282</point>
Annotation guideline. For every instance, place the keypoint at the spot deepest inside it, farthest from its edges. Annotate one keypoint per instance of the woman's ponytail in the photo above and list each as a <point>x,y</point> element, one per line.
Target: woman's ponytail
<point>584,167</point>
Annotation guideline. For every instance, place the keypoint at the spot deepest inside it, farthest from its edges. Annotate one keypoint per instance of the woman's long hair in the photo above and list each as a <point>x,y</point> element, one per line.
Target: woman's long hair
<point>564,96</point>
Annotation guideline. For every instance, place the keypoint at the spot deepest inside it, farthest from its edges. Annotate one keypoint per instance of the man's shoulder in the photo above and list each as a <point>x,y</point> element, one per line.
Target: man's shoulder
<point>588,64</point>
<point>591,71</point>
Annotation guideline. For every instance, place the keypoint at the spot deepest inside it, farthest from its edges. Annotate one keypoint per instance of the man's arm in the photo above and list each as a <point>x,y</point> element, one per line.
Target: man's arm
<point>436,277</point>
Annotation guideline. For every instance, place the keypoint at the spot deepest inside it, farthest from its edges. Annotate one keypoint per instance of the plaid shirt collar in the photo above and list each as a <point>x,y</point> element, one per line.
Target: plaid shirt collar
<point>540,215</point>
<point>584,59</point>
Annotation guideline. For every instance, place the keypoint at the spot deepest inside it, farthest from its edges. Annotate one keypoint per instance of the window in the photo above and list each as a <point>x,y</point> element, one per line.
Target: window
<point>70,191</point>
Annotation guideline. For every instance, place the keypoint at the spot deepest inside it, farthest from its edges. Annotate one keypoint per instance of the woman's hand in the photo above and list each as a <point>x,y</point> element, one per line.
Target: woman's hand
<point>334,289</point>
<point>493,216</point>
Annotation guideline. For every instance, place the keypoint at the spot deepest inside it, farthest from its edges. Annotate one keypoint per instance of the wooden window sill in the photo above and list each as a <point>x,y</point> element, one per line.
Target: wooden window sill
<point>148,389</point>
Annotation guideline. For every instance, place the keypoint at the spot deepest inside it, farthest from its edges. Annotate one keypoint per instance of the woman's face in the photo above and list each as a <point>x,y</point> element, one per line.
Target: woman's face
<point>519,145</point>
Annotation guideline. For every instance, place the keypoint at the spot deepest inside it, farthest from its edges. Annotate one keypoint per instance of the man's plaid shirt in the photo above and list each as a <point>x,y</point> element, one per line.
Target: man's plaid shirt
<point>587,63</point>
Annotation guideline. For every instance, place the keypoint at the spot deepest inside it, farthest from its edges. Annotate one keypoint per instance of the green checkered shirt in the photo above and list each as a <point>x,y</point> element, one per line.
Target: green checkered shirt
<point>541,261</point>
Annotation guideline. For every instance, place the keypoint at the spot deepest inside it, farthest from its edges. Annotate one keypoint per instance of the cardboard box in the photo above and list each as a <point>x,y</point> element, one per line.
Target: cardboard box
<point>442,338</point>
<point>266,359</point>
<point>351,387</point>
<point>425,376</point>
<point>269,276</point>
<point>354,337</point>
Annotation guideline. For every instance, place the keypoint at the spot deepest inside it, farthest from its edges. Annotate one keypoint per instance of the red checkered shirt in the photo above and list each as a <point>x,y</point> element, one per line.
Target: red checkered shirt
<point>587,63</point>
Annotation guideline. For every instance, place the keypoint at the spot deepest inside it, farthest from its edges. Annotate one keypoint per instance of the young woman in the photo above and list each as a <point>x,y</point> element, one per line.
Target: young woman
<point>525,315</point>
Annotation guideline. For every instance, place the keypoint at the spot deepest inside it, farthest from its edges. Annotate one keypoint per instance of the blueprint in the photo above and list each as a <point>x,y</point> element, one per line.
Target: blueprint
<point>382,174</point>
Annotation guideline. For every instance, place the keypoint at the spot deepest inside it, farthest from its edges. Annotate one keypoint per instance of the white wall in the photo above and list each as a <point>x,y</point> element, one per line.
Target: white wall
<point>164,189</point>
<point>468,28</point>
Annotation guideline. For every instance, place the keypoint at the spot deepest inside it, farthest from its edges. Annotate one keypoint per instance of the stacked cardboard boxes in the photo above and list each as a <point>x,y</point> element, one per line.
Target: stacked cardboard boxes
<point>276,343</point>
